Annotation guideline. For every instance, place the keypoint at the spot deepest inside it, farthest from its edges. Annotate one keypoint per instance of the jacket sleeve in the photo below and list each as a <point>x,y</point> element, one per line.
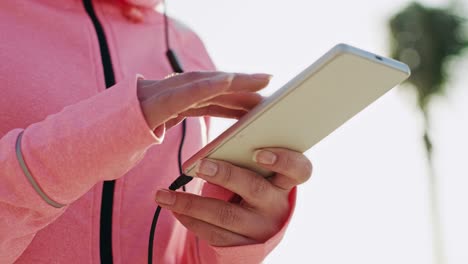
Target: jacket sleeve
<point>50,164</point>
<point>199,251</point>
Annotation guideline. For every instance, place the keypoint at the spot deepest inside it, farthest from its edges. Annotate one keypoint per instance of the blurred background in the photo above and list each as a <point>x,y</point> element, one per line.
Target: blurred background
<point>391,185</point>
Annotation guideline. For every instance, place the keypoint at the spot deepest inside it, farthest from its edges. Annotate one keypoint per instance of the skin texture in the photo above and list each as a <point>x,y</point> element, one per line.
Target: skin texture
<point>262,204</point>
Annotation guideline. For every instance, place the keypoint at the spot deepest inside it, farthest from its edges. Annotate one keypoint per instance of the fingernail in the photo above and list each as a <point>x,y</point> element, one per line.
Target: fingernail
<point>224,78</point>
<point>264,157</point>
<point>165,197</point>
<point>207,167</point>
<point>262,76</point>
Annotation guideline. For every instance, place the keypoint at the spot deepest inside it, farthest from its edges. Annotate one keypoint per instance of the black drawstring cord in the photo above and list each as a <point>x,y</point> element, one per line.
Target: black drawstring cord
<point>179,182</point>
<point>181,145</point>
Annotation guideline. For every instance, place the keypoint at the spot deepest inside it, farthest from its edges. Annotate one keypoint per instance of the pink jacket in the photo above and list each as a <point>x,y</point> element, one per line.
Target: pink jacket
<point>77,134</point>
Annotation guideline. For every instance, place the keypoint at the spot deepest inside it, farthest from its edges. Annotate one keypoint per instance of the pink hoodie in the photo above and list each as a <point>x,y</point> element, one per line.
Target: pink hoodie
<point>76,134</point>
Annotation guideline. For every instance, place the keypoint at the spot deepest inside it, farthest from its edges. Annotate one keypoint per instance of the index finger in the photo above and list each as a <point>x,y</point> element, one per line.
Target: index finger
<point>240,80</point>
<point>253,82</point>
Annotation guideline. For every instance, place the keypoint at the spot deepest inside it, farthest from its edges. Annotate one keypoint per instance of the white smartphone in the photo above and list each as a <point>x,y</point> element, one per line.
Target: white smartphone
<point>308,108</point>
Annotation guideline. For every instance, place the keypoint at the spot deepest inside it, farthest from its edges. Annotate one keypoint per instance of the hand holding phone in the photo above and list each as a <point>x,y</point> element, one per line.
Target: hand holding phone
<point>308,108</point>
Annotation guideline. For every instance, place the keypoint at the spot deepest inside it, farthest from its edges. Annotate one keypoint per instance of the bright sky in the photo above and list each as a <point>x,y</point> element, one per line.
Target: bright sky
<point>368,199</point>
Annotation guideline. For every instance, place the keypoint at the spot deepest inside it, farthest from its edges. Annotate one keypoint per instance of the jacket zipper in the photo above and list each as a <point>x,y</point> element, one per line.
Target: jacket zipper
<point>105,236</point>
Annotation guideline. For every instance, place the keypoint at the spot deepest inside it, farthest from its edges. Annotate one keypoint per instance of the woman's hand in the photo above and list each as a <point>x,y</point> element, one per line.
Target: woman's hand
<point>261,212</point>
<point>167,102</point>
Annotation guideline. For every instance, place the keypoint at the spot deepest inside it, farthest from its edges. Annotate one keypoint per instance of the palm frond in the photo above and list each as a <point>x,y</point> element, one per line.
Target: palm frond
<point>427,39</point>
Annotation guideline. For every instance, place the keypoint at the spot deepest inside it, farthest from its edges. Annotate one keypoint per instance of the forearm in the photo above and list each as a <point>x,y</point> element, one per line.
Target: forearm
<point>65,155</point>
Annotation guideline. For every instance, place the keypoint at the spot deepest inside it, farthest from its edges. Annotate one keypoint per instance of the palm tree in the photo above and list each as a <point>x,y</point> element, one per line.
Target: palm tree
<point>427,39</point>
